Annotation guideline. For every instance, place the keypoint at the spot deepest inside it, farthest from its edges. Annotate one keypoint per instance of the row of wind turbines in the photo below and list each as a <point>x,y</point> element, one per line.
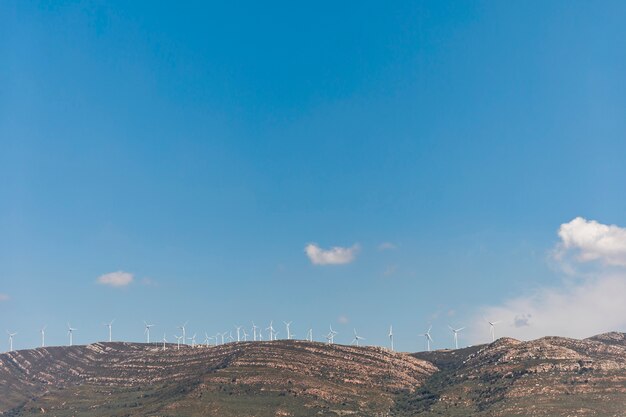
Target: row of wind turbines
<point>257,335</point>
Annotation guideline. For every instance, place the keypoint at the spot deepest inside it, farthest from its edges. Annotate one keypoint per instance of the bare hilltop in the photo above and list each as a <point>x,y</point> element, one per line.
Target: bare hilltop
<point>551,376</point>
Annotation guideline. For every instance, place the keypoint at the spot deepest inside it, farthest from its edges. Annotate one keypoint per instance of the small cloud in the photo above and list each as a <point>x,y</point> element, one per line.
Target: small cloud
<point>522,320</point>
<point>116,279</point>
<point>588,240</point>
<point>390,270</point>
<point>333,256</point>
<point>343,319</point>
<point>387,246</point>
<point>4,297</point>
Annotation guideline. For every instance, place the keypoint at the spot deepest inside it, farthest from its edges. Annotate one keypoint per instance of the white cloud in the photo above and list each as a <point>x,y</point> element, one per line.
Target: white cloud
<point>588,240</point>
<point>583,304</point>
<point>343,319</point>
<point>578,310</point>
<point>386,246</point>
<point>116,279</point>
<point>4,297</point>
<point>333,256</point>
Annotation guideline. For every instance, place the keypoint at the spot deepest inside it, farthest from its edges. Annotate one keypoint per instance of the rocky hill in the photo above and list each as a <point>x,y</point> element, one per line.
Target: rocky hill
<point>551,376</point>
<point>237,379</point>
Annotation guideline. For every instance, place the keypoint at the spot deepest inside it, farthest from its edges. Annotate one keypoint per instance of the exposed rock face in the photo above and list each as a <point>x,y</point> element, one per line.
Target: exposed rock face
<point>551,376</point>
<point>300,375</point>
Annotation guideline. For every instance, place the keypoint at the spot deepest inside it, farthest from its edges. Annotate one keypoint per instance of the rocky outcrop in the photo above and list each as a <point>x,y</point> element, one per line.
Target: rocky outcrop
<point>320,375</point>
<point>551,376</point>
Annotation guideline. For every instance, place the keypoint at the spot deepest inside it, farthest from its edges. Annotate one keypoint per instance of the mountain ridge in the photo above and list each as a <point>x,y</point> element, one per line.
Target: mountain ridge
<point>551,376</point>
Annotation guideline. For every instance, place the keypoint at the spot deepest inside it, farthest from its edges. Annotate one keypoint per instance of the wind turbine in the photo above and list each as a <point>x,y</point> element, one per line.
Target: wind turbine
<point>271,330</point>
<point>331,335</point>
<point>230,336</point>
<point>147,331</point>
<point>178,341</point>
<point>245,334</point>
<point>492,328</point>
<point>193,340</point>
<point>70,332</point>
<point>182,327</point>
<point>223,335</point>
<point>109,325</point>
<point>43,336</point>
<point>456,335</point>
<point>391,336</point>
<point>254,331</point>
<point>11,340</point>
<point>164,341</point>
<point>287,324</point>
<point>206,339</point>
<point>238,333</point>
<point>357,338</point>
<point>428,337</point>
<point>309,335</point>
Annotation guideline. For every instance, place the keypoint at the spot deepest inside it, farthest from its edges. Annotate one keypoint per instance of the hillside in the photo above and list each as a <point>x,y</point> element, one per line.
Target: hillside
<point>247,378</point>
<point>551,376</point>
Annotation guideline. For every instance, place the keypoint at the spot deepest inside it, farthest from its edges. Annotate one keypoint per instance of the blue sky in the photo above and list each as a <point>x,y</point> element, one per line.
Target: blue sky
<point>201,147</point>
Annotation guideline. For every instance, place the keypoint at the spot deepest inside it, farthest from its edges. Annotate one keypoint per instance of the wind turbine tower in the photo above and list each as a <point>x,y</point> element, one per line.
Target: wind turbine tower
<point>492,329</point>
<point>70,332</point>
<point>271,330</point>
<point>238,333</point>
<point>391,336</point>
<point>254,331</point>
<point>428,337</point>
<point>331,335</point>
<point>456,335</point>
<point>178,341</point>
<point>11,335</point>
<point>287,324</point>
<point>43,336</point>
<point>110,325</point>
<point>357,338</point>
<point>147,331</point>
<point>183,330</point>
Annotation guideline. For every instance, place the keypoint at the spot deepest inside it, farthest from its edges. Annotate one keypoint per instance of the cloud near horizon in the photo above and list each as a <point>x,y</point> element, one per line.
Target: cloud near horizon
<point>333,256</point>
<point>387,246</point>
<point>584,304</point>
<point>116,279</point>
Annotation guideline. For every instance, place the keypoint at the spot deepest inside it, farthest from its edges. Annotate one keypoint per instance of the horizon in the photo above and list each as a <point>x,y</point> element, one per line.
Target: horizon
<point>411,165</point>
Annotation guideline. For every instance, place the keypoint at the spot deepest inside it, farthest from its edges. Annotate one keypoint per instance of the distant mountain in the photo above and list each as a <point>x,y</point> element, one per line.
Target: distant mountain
<point>551,376</point>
